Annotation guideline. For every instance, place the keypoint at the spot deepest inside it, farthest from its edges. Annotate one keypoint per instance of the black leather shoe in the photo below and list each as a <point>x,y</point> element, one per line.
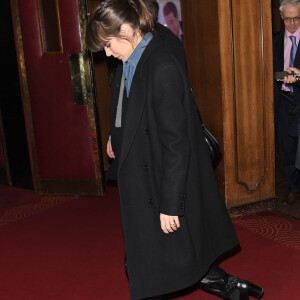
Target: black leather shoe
<point>218,282</point>
<point>226,286</point>
<point>244,289</point>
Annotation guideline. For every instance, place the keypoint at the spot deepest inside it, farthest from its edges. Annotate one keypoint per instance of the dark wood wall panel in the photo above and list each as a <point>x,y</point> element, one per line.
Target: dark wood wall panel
<point>249,93</point>
<point>246,65</point>
<point>228,45</point>
<point>202,48</point>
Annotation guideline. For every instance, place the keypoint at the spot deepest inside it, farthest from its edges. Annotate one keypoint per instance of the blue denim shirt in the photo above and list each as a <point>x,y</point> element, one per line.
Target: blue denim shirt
<point>130,64</point>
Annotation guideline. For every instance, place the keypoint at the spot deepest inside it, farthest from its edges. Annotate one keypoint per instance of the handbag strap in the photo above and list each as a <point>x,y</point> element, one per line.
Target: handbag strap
<point>202,124</point>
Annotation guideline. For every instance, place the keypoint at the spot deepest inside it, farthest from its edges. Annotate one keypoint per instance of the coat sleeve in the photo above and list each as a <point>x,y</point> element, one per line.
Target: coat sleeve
<point>172,127</point>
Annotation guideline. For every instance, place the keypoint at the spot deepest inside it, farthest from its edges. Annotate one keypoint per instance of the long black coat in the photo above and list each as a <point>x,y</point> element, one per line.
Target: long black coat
<point>165,167</point>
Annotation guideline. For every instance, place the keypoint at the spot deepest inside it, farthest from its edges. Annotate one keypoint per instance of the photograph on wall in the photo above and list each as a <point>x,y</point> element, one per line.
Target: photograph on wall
<point>169,15</point>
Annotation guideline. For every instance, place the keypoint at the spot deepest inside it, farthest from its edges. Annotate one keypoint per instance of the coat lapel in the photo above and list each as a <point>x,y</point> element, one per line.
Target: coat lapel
<point>136,102</point>
<point>133,115</point>
<point>297,57</point>
<point>280,48</point>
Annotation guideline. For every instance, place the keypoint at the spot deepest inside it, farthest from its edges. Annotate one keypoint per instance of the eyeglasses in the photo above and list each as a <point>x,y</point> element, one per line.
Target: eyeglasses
<point>289,20</point>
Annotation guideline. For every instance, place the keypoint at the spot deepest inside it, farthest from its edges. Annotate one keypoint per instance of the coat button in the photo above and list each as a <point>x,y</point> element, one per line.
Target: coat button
<point>146,167</point>
<point>146,131</point>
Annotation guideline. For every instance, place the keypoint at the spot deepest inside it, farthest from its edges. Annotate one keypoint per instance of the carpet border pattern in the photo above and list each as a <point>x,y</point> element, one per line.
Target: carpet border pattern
<point>20,212</point>
<point>274,227</point>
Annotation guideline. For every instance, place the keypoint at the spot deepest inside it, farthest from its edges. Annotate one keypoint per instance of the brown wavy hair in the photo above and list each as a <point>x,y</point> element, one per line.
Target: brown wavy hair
<point>110,15</point>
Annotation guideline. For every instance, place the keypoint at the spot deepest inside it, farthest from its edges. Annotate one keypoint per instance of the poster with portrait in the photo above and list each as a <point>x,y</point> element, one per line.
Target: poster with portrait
<point>169,15</point>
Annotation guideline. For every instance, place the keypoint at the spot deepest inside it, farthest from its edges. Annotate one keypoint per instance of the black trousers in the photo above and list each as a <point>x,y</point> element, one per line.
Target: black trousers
<point>287,146</point>
<point>298,148</point>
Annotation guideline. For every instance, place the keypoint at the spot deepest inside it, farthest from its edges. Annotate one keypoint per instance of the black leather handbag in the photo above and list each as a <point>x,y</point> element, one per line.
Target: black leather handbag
<point>212,143</point>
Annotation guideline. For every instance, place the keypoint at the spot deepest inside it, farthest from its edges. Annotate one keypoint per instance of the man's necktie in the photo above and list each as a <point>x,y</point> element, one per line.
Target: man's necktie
<point>292,55</point>
<point>293,50</point>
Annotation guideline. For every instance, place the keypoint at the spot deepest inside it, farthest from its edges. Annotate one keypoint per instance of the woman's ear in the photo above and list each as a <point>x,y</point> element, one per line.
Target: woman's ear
<point>126,30</point>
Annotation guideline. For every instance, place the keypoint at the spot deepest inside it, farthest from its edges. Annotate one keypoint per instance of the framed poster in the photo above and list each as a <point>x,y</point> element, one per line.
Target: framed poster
<point>169,15</point>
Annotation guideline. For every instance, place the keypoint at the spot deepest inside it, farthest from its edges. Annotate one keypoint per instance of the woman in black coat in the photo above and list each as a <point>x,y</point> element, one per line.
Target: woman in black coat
<point>175,222</point>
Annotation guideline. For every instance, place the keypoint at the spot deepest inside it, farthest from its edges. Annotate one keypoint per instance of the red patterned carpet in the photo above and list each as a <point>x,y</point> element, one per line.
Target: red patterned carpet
<point>273,227</point>
<point>62,248</point>
<point>17,204</point>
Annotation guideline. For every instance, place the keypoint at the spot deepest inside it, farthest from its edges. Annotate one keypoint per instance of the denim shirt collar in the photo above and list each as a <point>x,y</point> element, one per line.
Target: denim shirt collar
<point>138,51</point>
<point>130,64</point>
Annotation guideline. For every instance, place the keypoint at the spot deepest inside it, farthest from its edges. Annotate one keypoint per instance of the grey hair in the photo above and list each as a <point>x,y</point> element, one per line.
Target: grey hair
<point>288,2</point>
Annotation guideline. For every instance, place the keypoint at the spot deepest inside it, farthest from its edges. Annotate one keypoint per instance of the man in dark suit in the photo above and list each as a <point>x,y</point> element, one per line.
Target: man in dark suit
<point>287,96</point>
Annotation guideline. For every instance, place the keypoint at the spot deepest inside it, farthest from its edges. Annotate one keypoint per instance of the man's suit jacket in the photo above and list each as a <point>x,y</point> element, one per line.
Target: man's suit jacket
<point>278,65</point>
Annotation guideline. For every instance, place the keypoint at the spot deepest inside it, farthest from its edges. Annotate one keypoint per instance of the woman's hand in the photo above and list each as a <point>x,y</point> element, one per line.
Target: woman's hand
<point>291,79</point>
<point>109,150</point>
<point>169,223</point>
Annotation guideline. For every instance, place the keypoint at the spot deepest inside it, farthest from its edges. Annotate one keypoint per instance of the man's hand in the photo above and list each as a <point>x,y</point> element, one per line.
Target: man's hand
<point>109,150</point>
<point>169,223</point>
<point>291,79</point>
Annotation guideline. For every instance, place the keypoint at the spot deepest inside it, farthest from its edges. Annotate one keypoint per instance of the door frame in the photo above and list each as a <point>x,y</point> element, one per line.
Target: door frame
<point>93,186</point>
